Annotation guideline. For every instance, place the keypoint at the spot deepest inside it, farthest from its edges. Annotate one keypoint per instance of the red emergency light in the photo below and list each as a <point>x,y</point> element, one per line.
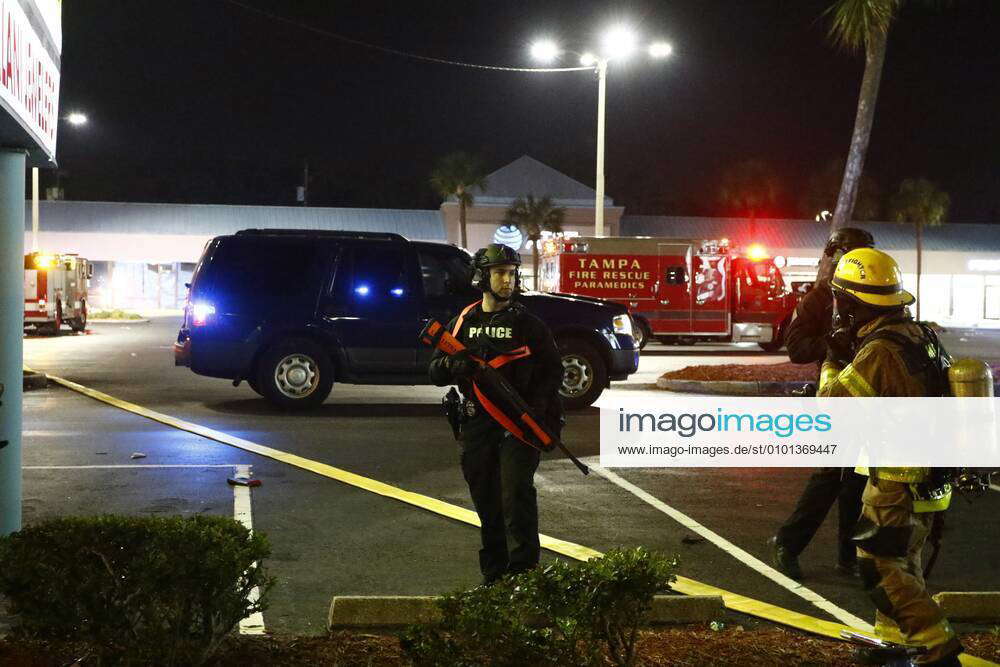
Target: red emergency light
<point>756,252</point>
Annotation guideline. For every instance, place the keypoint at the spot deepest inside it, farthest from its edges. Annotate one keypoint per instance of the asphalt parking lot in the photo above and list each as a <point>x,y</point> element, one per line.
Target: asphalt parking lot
<point>331,538</point>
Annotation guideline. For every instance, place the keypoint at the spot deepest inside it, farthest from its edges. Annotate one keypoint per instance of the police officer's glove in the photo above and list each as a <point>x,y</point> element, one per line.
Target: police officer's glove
<point>840,346</point>
<point>462,366</point>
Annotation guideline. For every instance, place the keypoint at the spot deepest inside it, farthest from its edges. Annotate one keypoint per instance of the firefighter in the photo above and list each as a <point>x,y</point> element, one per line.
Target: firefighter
<point>895,356</point>
<point>498,468</point>
<point>807,341</point>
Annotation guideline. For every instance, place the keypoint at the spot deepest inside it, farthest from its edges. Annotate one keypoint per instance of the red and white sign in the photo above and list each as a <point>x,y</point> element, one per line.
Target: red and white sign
<point>29,70</point>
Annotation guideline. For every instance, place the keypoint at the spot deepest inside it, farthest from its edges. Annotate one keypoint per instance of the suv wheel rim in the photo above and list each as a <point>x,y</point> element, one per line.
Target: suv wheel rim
<point>577,376</point>
<point>296,376</point>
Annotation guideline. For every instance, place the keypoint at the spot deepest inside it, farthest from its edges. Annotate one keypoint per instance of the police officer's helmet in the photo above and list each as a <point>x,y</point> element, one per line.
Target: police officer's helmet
<point>495,254</point>
<point>847,239</point>
<point>872,278</point>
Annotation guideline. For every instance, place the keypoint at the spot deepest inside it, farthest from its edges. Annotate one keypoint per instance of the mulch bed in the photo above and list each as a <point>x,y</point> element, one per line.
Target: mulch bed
<point>689,645</point>
<point>784,372</point>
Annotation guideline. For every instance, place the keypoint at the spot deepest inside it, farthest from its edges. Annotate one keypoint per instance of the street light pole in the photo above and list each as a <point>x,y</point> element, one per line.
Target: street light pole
<point>602,78</point>
<point>34,209</point>
<point>619,43</point>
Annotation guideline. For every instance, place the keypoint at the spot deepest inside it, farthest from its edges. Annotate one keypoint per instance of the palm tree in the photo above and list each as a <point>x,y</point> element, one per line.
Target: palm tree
<point>456,175</point>
<point>921,202</point>
<point>856,25</point>
<point>533,216</point>
<point>821,191</point>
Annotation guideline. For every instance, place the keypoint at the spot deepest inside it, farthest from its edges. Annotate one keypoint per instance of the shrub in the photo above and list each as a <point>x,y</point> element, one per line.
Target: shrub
<point>560,614</point>
<point>134,585</point>
<point>116,314</point>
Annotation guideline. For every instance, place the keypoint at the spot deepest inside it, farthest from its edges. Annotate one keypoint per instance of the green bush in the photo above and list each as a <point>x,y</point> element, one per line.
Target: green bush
<point>116,314</point>
<point>560,614</point>
<point>161,590</point>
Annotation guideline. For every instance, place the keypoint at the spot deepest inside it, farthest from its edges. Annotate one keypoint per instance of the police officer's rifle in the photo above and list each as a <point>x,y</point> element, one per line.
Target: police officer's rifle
<point>499,398</point>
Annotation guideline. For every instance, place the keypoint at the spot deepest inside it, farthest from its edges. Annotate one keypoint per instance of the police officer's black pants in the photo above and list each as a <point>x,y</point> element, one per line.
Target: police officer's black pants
<point>825,486</point>
<point>500,472</point>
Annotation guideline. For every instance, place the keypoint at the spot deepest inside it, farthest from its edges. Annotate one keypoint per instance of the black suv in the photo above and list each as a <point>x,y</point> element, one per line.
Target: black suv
<point>289,311</point>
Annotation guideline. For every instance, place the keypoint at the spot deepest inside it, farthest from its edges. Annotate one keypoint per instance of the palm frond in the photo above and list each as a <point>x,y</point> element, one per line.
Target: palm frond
<point>854,22</point>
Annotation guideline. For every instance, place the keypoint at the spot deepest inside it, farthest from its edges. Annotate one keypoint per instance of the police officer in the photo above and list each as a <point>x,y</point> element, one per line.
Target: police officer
<point>807,339</point>
<point>895,357</point>
<point>498,468</point>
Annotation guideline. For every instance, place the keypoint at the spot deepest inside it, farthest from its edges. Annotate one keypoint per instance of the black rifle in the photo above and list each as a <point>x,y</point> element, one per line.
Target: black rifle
<point>501,400</point>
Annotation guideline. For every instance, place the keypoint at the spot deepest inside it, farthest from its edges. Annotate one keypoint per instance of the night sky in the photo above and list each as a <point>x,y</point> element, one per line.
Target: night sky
<point>202,101</point>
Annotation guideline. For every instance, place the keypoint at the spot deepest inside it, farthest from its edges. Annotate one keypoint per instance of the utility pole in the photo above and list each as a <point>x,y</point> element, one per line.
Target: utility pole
<point>305,184</point>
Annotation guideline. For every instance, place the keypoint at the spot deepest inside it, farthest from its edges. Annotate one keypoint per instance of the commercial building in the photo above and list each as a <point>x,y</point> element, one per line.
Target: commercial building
<point>144,253</point>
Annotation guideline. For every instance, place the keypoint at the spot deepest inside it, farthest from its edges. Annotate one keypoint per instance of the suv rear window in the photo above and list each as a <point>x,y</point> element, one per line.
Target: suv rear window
<point>372,275</point>
<point>247,274</point>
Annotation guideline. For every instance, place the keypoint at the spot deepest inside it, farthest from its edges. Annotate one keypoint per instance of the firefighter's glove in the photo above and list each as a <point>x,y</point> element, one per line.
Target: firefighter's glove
<point>840,346</point>
<point>462,366</point>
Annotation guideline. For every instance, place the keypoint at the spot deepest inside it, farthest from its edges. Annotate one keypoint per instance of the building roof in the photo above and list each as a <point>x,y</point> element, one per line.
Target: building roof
<point>527,176</point>
<point>811,234</point>
<point>213,220</point>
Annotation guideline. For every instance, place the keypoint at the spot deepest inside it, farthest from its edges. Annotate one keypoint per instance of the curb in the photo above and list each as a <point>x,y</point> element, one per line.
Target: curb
<point>972,606</point>
<point>142,321</point>
<point>398,611</point>
<point>394,611</point>
<point>34,380</point>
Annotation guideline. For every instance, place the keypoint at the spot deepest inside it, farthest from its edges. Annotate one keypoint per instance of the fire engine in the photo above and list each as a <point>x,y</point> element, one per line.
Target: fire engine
<point>680,291</point>
<point>55,291</point>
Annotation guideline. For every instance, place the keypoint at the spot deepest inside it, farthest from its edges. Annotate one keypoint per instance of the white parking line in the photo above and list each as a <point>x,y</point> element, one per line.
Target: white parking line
<point>739,554</point>
<point>242,512</point>
<point>135,465</point>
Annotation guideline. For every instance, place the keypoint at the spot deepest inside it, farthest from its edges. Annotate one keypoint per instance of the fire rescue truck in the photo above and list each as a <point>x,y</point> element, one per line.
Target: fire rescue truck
<point>680,291</point>
<point>55,291</point>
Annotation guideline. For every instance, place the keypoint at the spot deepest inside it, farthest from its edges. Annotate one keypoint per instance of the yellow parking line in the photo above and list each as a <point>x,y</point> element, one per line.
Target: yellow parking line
<point>684,585</point>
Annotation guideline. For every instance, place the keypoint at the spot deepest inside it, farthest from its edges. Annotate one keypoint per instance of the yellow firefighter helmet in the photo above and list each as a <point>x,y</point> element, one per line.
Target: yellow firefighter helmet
<point>872,277</point>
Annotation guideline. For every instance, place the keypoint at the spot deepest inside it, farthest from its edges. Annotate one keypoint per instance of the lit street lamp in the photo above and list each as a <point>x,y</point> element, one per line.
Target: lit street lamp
<point>76,119</point>
<point>618,43</point>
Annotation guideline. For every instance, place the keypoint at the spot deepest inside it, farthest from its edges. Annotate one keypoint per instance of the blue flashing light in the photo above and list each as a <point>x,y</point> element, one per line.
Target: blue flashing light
<point>361,290</point>
<point>396,291</point>
<point>200,313</point>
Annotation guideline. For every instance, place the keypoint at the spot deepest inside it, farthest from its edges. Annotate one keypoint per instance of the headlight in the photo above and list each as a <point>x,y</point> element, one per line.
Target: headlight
<point>622,324</point>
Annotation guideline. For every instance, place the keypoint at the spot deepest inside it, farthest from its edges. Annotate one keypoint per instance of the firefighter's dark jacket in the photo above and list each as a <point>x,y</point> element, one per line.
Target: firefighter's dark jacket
<point>536,377</point>
<point>806,335</point>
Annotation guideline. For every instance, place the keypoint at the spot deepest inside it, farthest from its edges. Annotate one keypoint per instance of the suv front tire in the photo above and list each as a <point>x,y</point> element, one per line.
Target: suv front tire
<point>295,374</point>
<point>584,374</point>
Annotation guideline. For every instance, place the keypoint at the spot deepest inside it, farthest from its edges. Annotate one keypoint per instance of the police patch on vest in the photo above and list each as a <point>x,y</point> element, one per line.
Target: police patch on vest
<point>492,332</point>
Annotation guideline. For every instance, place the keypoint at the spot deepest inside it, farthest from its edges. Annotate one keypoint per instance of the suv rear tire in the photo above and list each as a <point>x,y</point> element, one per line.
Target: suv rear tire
<point>584,374</point>
<point>295,374</point>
